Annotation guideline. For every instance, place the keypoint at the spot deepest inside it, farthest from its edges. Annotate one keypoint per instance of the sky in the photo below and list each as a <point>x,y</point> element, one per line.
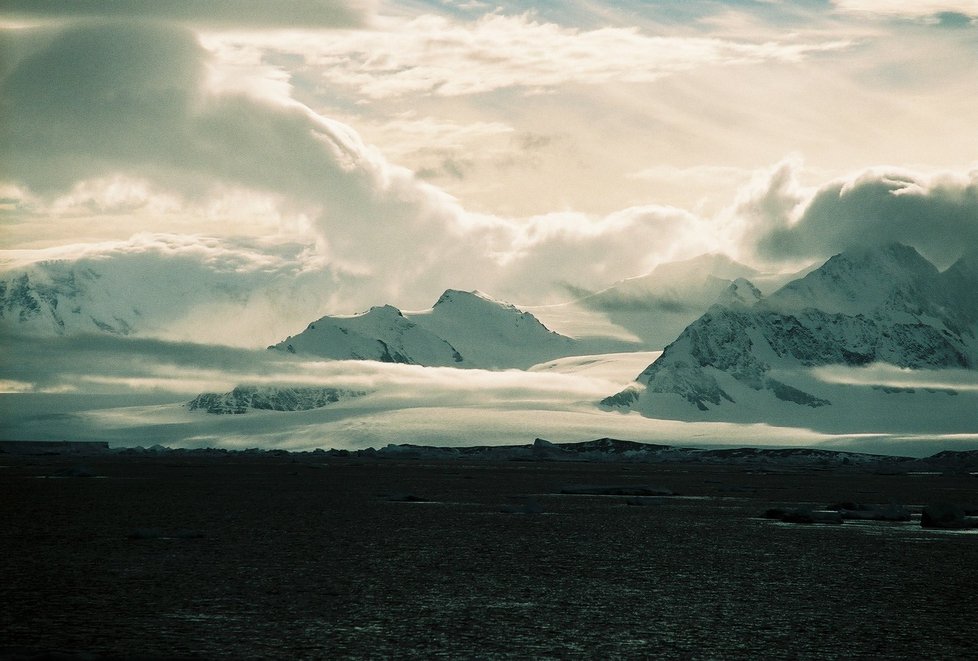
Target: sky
<point>390,150</point>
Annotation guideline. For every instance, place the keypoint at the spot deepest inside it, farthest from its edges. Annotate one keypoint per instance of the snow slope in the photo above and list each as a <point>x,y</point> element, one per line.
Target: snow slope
<point>381,333</point>
<point>492,334</point>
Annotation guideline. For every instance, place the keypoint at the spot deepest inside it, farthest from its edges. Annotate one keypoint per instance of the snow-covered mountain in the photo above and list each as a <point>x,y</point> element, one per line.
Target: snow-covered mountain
<point>883,305</point>
<point>463,329</point>
<point>492,334</point>
<point>653,309</point>
<point>161,287</point>
<point>382,333</point>
<point>57,299</point>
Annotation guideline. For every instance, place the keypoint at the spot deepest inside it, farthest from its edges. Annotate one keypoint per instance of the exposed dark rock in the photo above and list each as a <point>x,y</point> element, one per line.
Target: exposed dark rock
<point>624,399</point>
<point>54,447</point>
<point>947,515</point>
<point>245,398</point>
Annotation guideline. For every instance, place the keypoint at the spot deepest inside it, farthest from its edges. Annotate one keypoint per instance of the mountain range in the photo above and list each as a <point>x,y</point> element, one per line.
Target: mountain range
<point>777,352</point>
<point>52,300</point>
<point>154,294</point>
<point>176,298</point>
<point>865,306</point>
<point>462,329</point>
<point>655,308</point>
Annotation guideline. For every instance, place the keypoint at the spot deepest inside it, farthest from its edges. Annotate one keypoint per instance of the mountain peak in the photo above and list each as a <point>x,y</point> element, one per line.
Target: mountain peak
<point>741,293</point>
<point>492,333</point>
<point>382,311</point>
<point>863,280</point>
<point>960,284</point>
<point>716,264</point>
<point>887,255</point>
<point>463,329</point>
<point>474,296</point>
<point>966,264</point>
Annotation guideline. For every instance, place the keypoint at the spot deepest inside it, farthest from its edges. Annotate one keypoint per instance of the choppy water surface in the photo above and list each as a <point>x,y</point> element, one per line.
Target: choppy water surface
<point>301,560</point>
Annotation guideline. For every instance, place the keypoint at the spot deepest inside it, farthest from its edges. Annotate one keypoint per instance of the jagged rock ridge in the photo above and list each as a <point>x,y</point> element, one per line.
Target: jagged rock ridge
<point>267,398</point>
<point>615,450</point>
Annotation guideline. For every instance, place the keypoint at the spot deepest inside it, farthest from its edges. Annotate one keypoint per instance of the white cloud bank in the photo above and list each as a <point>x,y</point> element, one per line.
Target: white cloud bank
<point>900,378</point>
<point>783,221</point>
<point>435,55</point>
<point>909,8</point>
<point>135,127</point>
<point>403,403</point>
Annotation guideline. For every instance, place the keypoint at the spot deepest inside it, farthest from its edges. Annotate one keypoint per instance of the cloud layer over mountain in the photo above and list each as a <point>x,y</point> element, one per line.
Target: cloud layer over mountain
<point>935,213</point>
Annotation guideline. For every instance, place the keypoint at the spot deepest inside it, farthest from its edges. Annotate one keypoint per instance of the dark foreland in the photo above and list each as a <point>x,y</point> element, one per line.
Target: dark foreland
<point>550,551</point>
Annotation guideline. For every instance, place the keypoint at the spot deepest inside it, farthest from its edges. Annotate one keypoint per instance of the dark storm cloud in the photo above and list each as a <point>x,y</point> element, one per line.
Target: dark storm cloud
<point>936,215</point>
<point>210,13</point>
<point>96,97</point>
<point>120,96</point>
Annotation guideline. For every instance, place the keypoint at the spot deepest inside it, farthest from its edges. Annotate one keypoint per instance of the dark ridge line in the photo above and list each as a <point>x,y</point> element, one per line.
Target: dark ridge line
<point>602,450</point>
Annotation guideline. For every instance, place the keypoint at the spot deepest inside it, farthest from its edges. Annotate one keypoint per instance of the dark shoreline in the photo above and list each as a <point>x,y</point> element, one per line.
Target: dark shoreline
<point>603,450</point>
<point>203,554</point>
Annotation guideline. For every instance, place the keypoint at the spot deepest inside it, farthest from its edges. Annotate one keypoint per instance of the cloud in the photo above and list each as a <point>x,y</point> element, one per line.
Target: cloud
<point>223,14</point>
<point>101,364</point>
<point>937,213</point>
<point>252,291</point>
<point>890,376</point>
<point>136,123</point>
<point>543,255</point>
<point>435,55</point>
<point>96,101</point>
<point>909,8</point>
<point>124,120</point>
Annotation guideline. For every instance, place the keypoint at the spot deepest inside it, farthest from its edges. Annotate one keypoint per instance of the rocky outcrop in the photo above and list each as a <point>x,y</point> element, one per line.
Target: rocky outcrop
<point>949,516</point>
<point>247,398</point>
